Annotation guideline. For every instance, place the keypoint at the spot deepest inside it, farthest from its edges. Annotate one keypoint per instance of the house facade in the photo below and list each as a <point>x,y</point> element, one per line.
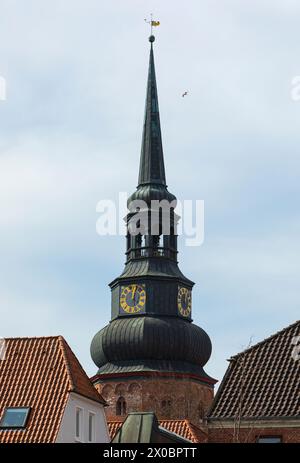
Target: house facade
<point>258,399</point>
<point>45,395</point>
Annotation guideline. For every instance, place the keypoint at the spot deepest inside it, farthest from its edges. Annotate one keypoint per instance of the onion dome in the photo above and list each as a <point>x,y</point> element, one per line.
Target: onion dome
<point>151,343</point>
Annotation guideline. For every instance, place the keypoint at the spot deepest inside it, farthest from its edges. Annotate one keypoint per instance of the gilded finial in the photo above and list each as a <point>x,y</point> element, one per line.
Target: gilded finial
<point>152,24</point>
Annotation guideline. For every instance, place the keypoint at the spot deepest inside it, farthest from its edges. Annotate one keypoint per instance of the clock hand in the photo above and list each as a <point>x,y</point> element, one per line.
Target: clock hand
<point>133,294</point>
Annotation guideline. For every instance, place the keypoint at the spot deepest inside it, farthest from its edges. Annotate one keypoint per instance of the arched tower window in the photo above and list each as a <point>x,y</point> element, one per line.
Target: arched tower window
<point>121,407</point>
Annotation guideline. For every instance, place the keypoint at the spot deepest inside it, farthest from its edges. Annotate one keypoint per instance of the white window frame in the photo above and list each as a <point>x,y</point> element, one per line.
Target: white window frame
<point>79,438</point>
<point>93,415</point>
<point>22,425</point>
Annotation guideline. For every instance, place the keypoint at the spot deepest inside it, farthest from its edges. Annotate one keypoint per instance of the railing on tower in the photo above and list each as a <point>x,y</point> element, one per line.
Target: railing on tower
<point>148,251</point>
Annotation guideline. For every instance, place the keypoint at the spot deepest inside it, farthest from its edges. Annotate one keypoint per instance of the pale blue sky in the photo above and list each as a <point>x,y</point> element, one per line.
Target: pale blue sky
<point>76,76</point>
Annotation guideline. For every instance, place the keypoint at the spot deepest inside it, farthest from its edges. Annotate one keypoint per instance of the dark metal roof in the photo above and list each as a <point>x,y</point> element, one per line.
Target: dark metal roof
<point>155,267</point>
<point>152,169</point>
<point>151,343</point>
<point>151,192</point>
<point>144,428</point>
<point>166,367</point>
<point>263,381</point>
<point>182,428</point>
<point>152,178</point>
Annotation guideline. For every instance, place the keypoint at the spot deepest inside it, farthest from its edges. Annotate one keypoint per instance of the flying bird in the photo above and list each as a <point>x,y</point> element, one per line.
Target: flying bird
<point>184,94</point>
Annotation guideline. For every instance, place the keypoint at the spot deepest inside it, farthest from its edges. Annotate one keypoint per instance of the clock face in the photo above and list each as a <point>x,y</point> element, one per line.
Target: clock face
<point>184,301</point>
<point>133,298</point>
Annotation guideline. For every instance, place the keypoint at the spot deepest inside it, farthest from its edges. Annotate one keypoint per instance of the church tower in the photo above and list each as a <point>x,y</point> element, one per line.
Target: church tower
<point>150,357</point>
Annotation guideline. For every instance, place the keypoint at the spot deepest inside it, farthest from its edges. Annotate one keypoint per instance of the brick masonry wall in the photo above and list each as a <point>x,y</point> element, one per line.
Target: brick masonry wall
<point>250,435</point>
<point>169,398</point>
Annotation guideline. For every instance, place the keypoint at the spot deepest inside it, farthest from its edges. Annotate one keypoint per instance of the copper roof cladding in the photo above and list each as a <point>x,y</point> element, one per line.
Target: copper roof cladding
<point>149,343</point>
<point>183,428</point>
<point>152,176</point>
<point>40,373</point>
<point>263,380</point>
<point>152,168</point>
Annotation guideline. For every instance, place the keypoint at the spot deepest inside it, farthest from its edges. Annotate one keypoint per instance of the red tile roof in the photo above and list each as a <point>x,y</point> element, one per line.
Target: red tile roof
<point>262,381</point>
<point>183,428</point>
<point>113,428</point>
<point>186,429</point>
<point>40,373</point>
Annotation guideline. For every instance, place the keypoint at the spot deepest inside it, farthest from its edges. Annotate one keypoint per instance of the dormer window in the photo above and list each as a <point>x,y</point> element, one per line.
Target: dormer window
<point>14,418</point>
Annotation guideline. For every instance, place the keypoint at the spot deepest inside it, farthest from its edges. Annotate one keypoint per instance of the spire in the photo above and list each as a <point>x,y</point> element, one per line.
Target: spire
<point>152,169</point>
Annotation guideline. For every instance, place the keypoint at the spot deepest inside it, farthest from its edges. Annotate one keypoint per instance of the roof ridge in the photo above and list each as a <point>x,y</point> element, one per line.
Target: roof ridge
<point>263,341</point>
<point>69,358</point>
<point>62,343</point>
<point>179,419</point>
<point>26,338</point>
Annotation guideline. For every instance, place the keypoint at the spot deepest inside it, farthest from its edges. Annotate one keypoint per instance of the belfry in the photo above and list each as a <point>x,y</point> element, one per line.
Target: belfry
<point>150,357</point>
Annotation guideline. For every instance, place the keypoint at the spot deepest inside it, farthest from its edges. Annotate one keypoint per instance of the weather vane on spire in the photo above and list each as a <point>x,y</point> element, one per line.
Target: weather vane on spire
<point>152,23</point>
